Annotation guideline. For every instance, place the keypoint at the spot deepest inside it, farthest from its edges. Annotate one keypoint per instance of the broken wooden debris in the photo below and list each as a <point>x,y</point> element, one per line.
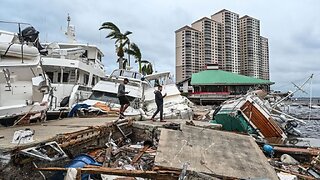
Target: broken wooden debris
<point>50,151</point>
<point>302,151</point>
<point>119,172</point>
<point>295,173</point>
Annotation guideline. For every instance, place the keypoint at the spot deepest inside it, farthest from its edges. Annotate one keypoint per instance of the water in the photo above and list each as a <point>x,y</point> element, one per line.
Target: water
<point>312,127</point>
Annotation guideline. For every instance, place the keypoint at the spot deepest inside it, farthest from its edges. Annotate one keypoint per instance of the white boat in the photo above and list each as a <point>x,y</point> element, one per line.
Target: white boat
<point>105,91</point>
<point>175,106</point>
<point>141,95</point>
<point>73,70</point>
<point>24,87</point>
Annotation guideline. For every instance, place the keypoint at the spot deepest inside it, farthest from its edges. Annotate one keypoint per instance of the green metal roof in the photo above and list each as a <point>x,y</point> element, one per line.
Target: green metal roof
<point>219,77</point>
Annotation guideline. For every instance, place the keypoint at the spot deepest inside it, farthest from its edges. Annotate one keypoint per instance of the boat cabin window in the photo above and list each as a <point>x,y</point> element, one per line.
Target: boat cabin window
<point>99,56</point>
<point>93,82</point>
<point>127,74</point>
<point>85,54</point>
<point>64,78</point>
<point>107,97</point>
<point>86,79</point>
<point>50,76</point>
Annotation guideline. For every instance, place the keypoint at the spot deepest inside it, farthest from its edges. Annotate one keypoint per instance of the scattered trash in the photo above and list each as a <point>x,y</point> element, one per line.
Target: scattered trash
<point>49,151</point>
<point>288,160</point>
<point>286,176</point>
<point>174,126</point>
<point>268,150</point>
<point>23,136</point>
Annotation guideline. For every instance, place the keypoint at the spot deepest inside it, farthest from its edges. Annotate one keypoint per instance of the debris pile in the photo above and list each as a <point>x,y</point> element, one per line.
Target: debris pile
<point>296,162</point>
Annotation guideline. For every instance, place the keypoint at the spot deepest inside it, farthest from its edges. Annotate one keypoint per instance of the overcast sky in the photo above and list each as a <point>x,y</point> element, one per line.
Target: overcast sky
<point>292,26</point>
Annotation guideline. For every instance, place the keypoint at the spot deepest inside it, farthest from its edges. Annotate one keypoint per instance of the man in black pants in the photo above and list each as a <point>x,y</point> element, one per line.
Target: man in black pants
<point>159,102</point>
<point>124,101</point>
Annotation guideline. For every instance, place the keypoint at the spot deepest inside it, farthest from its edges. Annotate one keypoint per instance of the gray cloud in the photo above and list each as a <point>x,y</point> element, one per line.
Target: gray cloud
<point>292,27</point>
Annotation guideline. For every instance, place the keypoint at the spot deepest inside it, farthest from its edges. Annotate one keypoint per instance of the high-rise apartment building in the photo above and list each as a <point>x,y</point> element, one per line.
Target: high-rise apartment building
<point>229,39</point>
<point>231,42</point>
<point>250,46</point>
<point>211,48</point>
<point>188,52</point>
<point>264,58</point>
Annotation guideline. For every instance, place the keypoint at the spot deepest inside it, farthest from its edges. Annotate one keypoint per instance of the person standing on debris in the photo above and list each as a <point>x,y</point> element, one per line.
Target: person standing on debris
<point>159,102</point>
<point>122,95</point>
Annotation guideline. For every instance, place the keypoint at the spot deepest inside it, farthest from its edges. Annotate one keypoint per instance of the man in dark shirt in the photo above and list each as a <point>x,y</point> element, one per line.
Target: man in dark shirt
<point>159,102</point>
<point>124,101</point>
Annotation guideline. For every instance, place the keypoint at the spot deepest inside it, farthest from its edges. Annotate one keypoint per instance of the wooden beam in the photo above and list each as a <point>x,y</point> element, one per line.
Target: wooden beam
<point>139,155</point>
<point>296,174</point>
<point>119,172</point>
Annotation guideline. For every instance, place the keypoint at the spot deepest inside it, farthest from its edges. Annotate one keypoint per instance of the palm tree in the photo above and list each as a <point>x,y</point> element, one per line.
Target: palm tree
<point>136,53</point>
<point>147,68</point>
<point>121,40</point>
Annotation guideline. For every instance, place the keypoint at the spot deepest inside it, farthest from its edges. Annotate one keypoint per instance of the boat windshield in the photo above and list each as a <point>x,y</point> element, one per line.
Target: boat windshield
<point>126,73</point>
<point>106,97</point>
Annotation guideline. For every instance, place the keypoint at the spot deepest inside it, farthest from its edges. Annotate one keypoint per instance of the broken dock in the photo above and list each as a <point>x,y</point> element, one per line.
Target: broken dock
<point>197,149</point>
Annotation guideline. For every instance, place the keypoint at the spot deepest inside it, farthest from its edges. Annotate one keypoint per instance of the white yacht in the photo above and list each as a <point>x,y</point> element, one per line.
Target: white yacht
<point>24,88</point>
<point>141,95</point>
<point>73,70</point>
<point>175,106</point>
<point>105,91</point>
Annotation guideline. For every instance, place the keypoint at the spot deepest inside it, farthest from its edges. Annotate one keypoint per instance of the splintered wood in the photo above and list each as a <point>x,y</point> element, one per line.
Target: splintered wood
<point>218,153</point>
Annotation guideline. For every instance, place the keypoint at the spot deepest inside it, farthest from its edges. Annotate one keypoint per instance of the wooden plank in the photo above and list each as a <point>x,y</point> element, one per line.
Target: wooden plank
<point>296,174</point>
<point>118,172</point>
<point>265,125</point>
<point>213,152</point>
<point>139,155</point>
<point>292,150</point>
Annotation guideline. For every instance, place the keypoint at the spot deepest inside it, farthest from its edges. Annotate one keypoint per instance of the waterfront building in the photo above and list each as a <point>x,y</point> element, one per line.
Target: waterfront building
<point>250,46</point>
<point>225,39</point>
<point>229,40</point>
<point>264,59</point>
<point>215,86</point>
<point>188,52</point>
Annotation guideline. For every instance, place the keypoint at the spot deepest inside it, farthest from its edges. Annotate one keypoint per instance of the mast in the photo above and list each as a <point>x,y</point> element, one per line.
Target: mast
<point>71,35</point>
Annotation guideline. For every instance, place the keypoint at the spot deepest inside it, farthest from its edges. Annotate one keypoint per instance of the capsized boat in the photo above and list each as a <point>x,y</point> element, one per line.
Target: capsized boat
<point>251,114</point>
<point>175,105</point>
<point>105,92</point>
<point>24,87</point>
<point>141,95</point>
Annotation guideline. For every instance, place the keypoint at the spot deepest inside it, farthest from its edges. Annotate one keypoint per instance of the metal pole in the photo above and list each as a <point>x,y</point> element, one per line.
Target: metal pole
<point>22,42</point>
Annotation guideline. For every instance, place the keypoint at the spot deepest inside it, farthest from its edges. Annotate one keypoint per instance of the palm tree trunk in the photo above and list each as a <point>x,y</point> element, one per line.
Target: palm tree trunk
<point>140,66</point>
<point>120,62</point>
<point>129,55</point>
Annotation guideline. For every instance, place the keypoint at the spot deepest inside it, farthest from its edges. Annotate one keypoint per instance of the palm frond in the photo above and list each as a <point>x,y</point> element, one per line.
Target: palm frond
<point>137,51</point>
<point>127,41</point>
<point>111,35</point>
<point>145,61</point>
<point>109,25</point>
<point>127,33</point>
<point>147,69</point>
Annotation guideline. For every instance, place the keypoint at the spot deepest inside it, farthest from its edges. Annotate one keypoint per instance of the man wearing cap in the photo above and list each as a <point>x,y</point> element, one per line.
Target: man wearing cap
<point>124,101</point>
<point>159,102</point>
